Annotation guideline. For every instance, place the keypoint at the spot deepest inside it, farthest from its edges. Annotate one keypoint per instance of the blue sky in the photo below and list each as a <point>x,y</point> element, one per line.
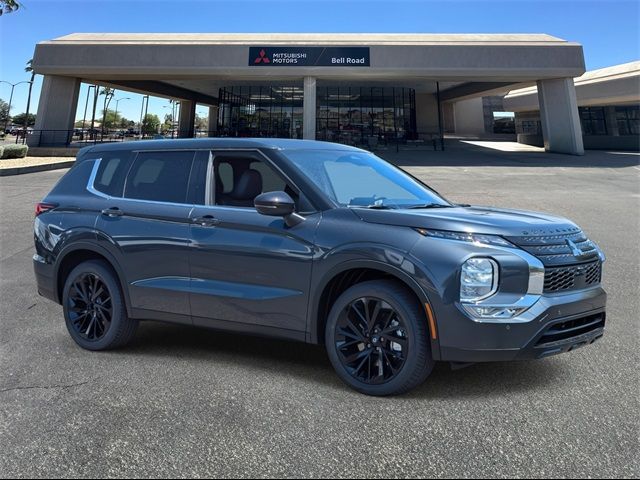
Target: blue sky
<point>608,29</point>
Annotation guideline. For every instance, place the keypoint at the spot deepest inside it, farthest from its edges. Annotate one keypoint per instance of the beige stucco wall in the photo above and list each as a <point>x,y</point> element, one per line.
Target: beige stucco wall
<point>469,117</point>
<point>426,113</point>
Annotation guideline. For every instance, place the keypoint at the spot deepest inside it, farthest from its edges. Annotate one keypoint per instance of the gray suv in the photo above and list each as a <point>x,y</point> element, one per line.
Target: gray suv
<point>315,242</point>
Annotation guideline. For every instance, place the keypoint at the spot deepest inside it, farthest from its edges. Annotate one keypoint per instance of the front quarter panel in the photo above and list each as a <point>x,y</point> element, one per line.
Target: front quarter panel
<point>345,242</point>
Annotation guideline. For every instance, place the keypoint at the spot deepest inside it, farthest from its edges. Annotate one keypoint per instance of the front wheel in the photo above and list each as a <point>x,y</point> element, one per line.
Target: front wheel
<point>377,338</point>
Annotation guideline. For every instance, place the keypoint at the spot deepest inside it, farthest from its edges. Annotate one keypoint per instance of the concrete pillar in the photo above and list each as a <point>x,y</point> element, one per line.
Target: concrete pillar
<point>559,116</point>
<point>213,120</point>
<point>309,109</point>
<point>56,112</point>
<point>187,119</point>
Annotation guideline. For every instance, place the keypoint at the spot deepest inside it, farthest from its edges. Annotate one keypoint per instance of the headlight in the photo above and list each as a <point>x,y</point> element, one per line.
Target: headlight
<point>478,279</point>
<point>478,239</point>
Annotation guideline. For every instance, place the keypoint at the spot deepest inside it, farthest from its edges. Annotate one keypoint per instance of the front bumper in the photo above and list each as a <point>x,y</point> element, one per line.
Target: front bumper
<point>563,323</point>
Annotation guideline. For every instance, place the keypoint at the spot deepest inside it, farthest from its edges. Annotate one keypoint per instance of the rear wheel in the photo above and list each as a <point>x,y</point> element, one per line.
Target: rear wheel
<point>94,308</point>
<point>376,338</point>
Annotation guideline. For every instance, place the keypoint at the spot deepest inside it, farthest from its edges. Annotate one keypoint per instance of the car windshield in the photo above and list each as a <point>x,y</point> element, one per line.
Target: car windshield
<point>360,179</point>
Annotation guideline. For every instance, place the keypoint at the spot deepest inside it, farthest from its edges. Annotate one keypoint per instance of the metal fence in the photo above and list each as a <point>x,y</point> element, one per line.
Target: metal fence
<point>77,138</point>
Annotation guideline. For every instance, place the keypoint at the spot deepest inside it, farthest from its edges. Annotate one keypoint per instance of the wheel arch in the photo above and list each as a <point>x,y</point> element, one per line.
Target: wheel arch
<point>347,274</point>
<point>80,252</point>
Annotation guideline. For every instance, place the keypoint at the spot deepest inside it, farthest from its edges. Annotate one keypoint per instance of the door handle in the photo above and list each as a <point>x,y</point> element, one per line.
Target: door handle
<point>206,221</point>
<point>112,212</point>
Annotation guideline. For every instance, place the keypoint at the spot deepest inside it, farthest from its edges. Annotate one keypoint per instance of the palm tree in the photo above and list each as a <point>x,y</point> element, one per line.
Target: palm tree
<point>29,69</point>
<point>8,6</point>
<point>108,95</point>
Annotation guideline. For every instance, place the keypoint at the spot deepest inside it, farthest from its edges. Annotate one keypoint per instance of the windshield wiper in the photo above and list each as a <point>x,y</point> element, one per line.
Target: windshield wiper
<point>428,205</point>
<point>375,206</point>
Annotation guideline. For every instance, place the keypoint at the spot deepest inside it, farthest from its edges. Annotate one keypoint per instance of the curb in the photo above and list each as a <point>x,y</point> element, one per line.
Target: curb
<point>5,172</point>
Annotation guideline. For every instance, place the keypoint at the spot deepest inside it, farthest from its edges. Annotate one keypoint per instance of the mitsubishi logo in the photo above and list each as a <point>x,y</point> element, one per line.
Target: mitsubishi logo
<point>262,58</point>
<point>575,251</point>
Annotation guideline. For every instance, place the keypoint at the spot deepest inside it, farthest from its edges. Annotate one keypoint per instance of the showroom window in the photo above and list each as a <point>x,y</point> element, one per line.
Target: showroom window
<point>592,120</point>
<point>355,115</point>
<point>628,119</point>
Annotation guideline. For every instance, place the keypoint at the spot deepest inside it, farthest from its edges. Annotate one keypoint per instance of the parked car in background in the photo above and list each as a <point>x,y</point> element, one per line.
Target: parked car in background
<point>315,242</point>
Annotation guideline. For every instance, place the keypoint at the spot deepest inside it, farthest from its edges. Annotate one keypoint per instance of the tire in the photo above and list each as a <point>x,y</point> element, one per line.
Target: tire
<point>392,361</point>
<point>91,330</point>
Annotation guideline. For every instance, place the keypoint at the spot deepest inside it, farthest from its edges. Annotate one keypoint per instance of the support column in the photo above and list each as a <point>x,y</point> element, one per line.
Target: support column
<point>56,112</point>
<point>187,119</point>
<point>309,109</point>
<point>559,116</point>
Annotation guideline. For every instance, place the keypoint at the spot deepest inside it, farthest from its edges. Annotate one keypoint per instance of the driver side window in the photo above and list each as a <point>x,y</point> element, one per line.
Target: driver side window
<point>240,179</point>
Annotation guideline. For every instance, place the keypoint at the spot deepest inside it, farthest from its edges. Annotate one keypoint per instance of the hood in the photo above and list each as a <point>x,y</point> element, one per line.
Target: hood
<point>487,220</point>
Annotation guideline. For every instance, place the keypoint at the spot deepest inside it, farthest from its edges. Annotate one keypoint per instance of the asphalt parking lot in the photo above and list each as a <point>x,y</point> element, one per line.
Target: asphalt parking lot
<point>185,402</point>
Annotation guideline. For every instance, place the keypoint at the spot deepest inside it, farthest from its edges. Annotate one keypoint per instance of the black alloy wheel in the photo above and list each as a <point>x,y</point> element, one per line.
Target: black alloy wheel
<point>377,338</point>
<point>90,307</point>
<point>371,340</point>
<point>94,307</point>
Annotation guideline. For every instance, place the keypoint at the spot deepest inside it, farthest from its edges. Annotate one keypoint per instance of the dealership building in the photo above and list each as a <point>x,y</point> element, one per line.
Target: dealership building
<point>608,107</point>
<point>348,88</point>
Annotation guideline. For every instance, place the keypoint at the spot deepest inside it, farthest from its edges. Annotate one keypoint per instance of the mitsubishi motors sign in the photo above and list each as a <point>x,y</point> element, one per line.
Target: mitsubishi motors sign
<point>309,56</point>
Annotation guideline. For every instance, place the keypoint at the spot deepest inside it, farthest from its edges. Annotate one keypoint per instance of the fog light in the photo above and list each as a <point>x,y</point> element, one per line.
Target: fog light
<point>493,312</point>
<point>478,279</point>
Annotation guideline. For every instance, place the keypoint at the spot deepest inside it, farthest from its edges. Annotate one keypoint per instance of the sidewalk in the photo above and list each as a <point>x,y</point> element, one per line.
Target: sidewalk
<point>17,166</point>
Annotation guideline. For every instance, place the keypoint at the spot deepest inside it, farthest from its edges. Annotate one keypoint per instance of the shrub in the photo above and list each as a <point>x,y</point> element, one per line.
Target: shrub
<point>14,151</point>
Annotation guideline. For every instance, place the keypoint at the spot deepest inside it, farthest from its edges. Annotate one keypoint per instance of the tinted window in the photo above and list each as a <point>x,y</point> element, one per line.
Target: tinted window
<point>160,176</point>
<point>225,173</point>
<point>271,182</point>
<point>231,189</point>
<point>111,173</point>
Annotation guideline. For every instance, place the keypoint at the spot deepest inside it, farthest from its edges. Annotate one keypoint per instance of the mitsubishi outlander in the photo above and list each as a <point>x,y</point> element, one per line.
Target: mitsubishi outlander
<point>314,242</point>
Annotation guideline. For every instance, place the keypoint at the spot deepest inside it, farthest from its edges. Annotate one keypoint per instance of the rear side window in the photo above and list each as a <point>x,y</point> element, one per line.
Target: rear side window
<point>111,173</point>
<point>160,177</point>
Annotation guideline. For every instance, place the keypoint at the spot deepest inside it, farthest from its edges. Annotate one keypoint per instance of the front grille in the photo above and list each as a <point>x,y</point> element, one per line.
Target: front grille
<point>555,250</point>
<point>564,332</point>
<point>572,277</point>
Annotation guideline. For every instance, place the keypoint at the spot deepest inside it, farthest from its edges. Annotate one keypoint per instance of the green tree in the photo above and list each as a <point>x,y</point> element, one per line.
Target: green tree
<point>4,112</point>
<point>108,95</point>
<point>201,123</point>
<point>21,119</point>
<point>29,69</point>
<point>150,124</point>
<point>8,6</point>
<point>111,120</point>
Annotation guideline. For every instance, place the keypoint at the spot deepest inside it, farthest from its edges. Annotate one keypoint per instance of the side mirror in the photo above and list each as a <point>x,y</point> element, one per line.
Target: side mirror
<point>278,204</point>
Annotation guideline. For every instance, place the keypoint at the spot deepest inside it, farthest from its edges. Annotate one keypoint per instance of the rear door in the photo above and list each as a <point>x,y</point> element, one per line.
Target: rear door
<point>249,269</point>
<point>146,226</point>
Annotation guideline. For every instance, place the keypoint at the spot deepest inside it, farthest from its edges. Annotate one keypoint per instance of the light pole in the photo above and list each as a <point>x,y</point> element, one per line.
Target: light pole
<point>86,104</point>
<point>116,115</point>
<point>145,99</point>
<point>13,85</point>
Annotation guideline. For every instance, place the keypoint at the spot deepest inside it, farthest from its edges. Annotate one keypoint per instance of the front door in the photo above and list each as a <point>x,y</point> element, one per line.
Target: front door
<point>248,268</point>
